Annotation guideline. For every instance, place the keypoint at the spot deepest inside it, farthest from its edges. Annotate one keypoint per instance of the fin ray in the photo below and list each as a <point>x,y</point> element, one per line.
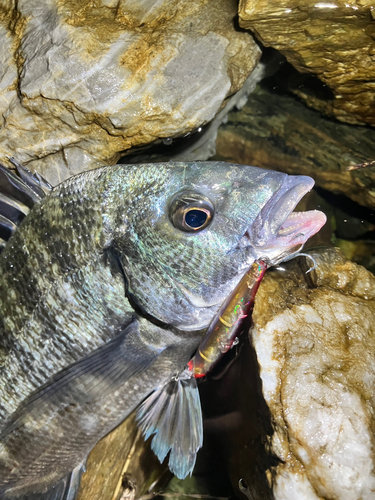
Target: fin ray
<point>7,227</point>
<point>17,196</point>
<point>13,209</point>
<point>35,181</point>
<point>17,188</point>
<point>173,415</point>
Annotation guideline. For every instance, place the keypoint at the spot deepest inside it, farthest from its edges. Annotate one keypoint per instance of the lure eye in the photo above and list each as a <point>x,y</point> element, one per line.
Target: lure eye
<point>191,211</point>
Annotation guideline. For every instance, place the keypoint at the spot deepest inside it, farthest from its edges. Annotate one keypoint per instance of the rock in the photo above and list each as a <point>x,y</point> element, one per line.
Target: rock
<point>277,132</point>
<point>332,40</point>
<point>82,82</point>
<point>315,341</point>
<point>122,465</point>
<point>359,251</point>
<point>200,145</point>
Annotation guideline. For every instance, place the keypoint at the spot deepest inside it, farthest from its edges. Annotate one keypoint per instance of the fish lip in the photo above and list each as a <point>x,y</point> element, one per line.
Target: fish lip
<point>298,227</point>
<point>277,225</point>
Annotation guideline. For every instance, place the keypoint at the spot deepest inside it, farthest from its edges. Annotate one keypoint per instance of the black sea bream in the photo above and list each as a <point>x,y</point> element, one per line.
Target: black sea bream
<point>106,289</point>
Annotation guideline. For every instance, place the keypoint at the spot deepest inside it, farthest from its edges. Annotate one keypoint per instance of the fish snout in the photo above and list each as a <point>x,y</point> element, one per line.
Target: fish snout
<point>278,227</point>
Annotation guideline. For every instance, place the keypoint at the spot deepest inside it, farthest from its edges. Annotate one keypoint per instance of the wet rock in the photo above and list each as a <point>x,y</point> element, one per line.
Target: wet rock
<point>359,251</point>
<point>200,145</point>
<point>332,40</point>
<point>353,229</point>
<point>122,465</point>
<point>277,132</point>
<point>81,82</point>
<point>315,341</point>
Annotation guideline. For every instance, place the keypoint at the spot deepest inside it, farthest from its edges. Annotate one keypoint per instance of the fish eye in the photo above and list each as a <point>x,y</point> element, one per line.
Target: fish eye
<point>191,211</point>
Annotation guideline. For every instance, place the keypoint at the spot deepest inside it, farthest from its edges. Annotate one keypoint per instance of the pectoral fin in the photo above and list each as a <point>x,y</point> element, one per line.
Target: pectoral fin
<point>66,489</point>
<point>89,379</point>
<point>56,426</point>
<point>173,415</point>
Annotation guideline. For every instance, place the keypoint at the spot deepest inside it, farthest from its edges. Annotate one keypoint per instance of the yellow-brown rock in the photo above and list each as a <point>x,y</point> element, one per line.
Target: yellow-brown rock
<point>333,40</point>
<point>278,132</point>
<point>315,341</point>
<point>82,81</point>
<point>121,463</point>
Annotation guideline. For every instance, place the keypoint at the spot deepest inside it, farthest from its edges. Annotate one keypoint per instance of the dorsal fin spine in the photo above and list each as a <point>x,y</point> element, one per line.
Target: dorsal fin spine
<point>18,194</point>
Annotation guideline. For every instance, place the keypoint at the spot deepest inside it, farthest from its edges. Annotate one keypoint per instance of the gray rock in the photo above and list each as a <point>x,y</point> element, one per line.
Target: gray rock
<point>201,145</point>
<point>80,84</point>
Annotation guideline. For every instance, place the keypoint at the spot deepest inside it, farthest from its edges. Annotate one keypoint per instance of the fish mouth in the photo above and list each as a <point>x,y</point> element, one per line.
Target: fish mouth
<point>278,226</point>
<point>298,227</point>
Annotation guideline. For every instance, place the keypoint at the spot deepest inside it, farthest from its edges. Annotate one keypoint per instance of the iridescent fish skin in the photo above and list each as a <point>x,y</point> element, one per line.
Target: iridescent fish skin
<point>103,298</point>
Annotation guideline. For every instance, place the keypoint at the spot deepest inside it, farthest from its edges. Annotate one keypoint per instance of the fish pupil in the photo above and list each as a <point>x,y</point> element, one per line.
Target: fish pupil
<point>195,218</point>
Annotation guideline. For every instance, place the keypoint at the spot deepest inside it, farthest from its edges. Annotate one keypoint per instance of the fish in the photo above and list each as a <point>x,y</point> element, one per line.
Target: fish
<point>108,283</point>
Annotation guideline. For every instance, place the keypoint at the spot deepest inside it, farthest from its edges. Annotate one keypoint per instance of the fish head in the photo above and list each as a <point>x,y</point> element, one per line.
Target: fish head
<point>191,230</point>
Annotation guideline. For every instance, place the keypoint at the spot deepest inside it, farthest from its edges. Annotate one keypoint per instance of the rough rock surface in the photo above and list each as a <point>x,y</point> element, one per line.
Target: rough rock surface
<point>277,132</point>
<point>332,40</point>
<point>200,145</point>
<point>122,465</point>
<point>314,336</point>
<point>82,81</point>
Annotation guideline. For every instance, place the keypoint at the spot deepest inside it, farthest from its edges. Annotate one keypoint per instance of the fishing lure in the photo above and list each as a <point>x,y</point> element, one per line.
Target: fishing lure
<point>160,414</point>
<point>225,326</point>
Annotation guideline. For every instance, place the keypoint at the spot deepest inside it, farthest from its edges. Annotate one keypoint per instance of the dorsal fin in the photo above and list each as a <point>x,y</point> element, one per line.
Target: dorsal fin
<point>35,181</point>
<point>18,194</point>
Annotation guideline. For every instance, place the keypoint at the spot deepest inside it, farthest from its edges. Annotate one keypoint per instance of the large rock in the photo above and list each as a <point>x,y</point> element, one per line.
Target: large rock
<point>315,341</point>
<point>80,82</point>
<point>200,145</point>
<point>122,465</point>
<point>332,40</point>
<point>277,132</point>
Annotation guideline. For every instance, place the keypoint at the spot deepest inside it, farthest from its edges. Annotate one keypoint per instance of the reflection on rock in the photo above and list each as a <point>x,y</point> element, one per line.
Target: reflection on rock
<point>314,339</point>
<point>333,40</point>
<point>82,81</point>
<point>277,132</point>
<point>122,464</point>
<point>201,144</point>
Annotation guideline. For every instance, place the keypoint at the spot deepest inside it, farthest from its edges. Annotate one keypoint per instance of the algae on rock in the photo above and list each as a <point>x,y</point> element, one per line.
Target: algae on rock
<point>314,337</point>
<point>81,82</point>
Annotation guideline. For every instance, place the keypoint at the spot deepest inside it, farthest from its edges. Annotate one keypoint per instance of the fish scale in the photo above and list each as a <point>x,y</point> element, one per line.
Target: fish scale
<point>104,299</point>
<point>31,319</point>
<point>53,321</point>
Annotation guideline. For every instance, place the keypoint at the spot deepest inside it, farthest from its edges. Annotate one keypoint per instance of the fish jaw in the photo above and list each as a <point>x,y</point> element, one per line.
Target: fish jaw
<point>278,231</point>
<point>298,227</point>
